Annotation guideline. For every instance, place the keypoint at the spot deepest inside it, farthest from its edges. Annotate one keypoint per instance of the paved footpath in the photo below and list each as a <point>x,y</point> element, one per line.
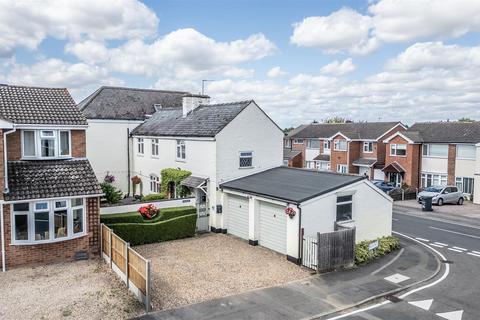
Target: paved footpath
<point>319,295</point>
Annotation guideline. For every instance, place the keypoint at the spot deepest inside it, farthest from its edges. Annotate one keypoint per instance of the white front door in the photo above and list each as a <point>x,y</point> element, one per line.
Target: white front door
<point>237,216</point>
<point>273,227</point>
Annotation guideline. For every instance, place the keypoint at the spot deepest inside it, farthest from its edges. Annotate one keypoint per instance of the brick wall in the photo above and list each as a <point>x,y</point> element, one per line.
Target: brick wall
<point>296,162</point>
<point>14,151</point>
<point>337,157</point>
<point>354,154</point>
<point>79,148</point>
<point>381,146</point>
<point>372,155</point>
<point>301,147</point>
<point>452,155</point>
<point>2,166</point>
<point>411,163</point>
<point>17,255</point>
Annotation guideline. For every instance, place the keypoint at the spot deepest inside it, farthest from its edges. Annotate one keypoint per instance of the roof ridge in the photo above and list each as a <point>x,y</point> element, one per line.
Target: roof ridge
<point>226,103</point>
<point>31,87</point>
<point>144,89</point>
<point>320,171</point>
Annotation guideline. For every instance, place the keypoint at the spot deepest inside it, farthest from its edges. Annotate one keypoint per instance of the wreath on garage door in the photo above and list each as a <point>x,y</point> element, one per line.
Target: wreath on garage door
<point>290,212</point>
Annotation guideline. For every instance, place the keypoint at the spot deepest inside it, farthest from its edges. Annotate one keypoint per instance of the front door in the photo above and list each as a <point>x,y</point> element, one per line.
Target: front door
<point>396,178</point>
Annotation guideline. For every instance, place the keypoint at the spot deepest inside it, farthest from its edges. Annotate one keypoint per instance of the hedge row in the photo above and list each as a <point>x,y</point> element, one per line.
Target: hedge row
<point>143,233</point>
<point>385,246</point>
<point>135,217</point>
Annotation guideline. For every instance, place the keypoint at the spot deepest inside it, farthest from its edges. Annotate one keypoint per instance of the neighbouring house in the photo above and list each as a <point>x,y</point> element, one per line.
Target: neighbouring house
<point>50,200</point>
<point>292,158</point>
<point>476,189</point>
<point>254,207</point>
<point>343,147</point>
<point>434,153</point>
<point>215,142</point>
<point>112,114</point>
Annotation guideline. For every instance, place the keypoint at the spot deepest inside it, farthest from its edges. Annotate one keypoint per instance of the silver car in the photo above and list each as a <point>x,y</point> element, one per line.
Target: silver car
<point>442,194</point>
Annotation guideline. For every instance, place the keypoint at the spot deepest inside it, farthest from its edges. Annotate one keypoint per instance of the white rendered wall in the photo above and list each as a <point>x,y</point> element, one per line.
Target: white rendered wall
<point>310,154</point>
<point>372,212</point>
<point>434,165</point>
<point>476,196</point>
<point>378,174</point>
<point>107,142</point>
<point>464,168</point>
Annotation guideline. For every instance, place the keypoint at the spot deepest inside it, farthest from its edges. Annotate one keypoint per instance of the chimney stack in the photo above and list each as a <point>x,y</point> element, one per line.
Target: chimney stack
<point>191,101</point>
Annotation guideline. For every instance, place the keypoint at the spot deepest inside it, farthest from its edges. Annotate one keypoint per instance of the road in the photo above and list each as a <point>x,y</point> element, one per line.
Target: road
<point>457,296</point>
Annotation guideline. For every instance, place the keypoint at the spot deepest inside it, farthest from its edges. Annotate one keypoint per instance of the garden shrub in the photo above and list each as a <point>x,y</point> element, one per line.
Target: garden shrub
<point>176,176</point>
<point>143,233</point>
<point>111,194</point>
<point>385,246</point>
<point>130,217</point>
<point>154,196</point>
<point>170,213</point>
<point>135,217</point>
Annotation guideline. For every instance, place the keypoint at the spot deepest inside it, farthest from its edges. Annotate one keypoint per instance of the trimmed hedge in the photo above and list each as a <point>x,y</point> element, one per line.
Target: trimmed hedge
<point>143,233</point>
<point>385,246</point>
<point>135,217</point>
<point>154,196</point>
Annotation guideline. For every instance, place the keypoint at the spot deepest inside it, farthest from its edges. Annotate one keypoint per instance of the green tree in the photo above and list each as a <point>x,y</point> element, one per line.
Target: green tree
<point>465,119</point>
<point>337,120</point>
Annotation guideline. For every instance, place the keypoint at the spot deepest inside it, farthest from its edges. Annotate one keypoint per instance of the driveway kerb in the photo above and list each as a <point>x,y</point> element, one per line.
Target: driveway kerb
<point>378,296</point>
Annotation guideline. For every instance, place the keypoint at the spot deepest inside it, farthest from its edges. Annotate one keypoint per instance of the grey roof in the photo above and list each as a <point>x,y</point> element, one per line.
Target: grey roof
<point>128,103</point>
<point>364,162</point>
<point>291,184</point>
<point>50,179</point>
<point>192,181</point>
<point>290,154</point>
<point>35,105</point>
<point>204,121</point>
<point>393,167</point>
<point>445,132</point>
<point>354,130</point>
<point>322,157</point>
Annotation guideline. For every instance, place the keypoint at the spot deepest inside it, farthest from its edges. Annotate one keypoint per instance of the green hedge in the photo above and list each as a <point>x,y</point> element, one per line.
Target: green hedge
<point>385,245</point>
<point>135,217</point>
<point>143,233</point>
<point>154,196</point>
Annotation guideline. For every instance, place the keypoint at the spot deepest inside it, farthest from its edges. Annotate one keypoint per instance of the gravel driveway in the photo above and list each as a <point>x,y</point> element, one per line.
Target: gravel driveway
<point>211,266</point>
<point>73,290</point>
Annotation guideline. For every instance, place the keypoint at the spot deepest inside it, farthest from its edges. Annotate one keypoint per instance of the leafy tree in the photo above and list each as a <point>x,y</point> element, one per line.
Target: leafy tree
<point>287,130</point>
<point>337,120</point>
<point>465,119</point>
<point>112,194</point>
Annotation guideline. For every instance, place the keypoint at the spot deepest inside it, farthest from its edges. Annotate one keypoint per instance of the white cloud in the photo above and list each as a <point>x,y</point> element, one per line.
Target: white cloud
<point>276,72</point>
<point>182,53</point>
<point>28,23</point>
<point>343,30</point>
<point>338,68</point>
<point>347,30</point>
<point>89,51</point>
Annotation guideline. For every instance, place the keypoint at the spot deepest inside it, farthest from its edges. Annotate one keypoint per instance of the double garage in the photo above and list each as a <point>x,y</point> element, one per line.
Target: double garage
<point>256,207</point>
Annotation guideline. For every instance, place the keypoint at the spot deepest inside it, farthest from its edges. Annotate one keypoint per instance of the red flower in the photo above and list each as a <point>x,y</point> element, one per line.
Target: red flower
<point>149,211</point>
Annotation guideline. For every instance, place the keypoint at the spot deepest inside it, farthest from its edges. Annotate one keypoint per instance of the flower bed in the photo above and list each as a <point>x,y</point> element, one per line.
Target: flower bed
<point>385,245</point>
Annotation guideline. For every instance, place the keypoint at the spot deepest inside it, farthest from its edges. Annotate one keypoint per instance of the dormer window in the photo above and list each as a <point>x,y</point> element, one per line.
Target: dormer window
<point>45,144</point>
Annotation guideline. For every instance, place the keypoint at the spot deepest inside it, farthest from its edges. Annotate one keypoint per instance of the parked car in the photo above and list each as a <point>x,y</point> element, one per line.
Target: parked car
<point>442,194</point>
<point>385,186</point>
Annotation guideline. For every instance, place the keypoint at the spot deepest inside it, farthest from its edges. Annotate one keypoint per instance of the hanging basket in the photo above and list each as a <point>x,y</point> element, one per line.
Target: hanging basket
<point>290,212</point>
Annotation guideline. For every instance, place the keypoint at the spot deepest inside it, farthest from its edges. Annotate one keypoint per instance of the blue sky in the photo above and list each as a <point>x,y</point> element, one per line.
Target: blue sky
<point>300,60</point>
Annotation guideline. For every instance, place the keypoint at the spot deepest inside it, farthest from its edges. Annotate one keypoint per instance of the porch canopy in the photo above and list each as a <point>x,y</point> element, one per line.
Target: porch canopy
<point>393,167</point>
<point>193,182</point>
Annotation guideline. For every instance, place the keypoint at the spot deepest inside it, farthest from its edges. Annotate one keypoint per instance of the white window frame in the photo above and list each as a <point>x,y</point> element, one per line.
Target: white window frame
<point>38,136</point>
<point>460,184</point>
<point>155,148</point>
<point>154,183</point>
<point>367,147</point>
<point>240,157</point>
<point>298,141</point>
<point>288,143</point>
<point>337,144</point>
<point>51,210</point>
<point>342,168</point>
<point>466,158</point>
<point>140,146</point>
<point>344,203</point>
<point>442,179</point>
<point>427,154</point>
<point>181,151</point>
<point>326,145</point>
<point>394,148</point>
<point>309,142</point>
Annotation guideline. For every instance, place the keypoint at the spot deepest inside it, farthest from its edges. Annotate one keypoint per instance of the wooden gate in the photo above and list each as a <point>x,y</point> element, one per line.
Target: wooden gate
<point>336,249</point>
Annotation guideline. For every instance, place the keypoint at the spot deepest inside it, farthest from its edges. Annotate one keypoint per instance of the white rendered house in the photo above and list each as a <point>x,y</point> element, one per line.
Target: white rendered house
<point>216,142</point>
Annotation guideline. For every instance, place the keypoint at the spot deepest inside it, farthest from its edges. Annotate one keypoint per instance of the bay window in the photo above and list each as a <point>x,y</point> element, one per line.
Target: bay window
<point>48,221</point>
<point>45,144</point>
<point>432,179</point>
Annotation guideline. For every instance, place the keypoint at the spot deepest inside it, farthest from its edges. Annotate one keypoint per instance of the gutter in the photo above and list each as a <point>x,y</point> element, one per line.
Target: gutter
<point>2,231</point>
<point>5,166</point>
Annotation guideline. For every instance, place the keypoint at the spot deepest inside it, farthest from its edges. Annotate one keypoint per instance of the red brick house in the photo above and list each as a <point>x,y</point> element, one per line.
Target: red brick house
<point>433,153</point>
<point>344,147</point>
<point>50,202</point>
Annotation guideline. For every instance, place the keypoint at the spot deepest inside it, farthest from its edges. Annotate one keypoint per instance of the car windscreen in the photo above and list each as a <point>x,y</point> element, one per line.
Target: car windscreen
<point>433,189</point>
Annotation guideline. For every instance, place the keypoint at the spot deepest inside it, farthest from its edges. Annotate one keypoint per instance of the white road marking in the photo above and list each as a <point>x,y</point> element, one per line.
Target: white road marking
<point>473,254</point>
<point>459,248</point>
<point>460,233</point>
<point>421,239</point>
<point>423,304</point>
<point>394,219</point>
<point>453,315</point>
<point>436,245</point>
<point>397,278</point>
<point>389,263</point>
<point>477,252</point>
<point>451,249</point>
<point>442,244</point>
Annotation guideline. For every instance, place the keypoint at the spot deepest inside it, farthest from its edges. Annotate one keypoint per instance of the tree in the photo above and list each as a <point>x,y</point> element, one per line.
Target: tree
<point>465,119</point>
<point>287,130</point>
<point>337,119</point>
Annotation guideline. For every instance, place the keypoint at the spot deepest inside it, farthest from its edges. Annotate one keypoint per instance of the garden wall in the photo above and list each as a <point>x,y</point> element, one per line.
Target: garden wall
<point>160,204</point>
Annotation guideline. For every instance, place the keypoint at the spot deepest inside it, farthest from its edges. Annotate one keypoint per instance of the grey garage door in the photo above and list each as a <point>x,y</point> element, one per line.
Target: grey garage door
<point>273,227</point>
<point>238,216</point>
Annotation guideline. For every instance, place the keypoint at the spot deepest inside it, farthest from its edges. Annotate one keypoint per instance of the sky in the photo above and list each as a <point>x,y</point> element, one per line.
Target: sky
<point>372,60</point>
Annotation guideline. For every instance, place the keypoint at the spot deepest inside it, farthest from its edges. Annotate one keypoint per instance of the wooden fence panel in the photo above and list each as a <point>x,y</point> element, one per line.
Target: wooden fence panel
<point>335,249</point>
<point>137,270</point>
<point>106,240</point>
<point>118,252</point>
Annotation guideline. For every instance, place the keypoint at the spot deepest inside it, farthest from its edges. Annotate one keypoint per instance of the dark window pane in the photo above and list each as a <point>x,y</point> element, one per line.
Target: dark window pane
<point>42,226</point>
<point>344,212</point>
<point>60,228</point>
<point>48,148</point>
<point>21,227</point>
<point>21,206</point>
<point>344,199</point>
<point>77,220</point>
<point>64,143</point>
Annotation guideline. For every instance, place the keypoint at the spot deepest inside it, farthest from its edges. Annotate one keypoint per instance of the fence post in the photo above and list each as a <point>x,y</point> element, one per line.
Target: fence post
<point>147,287</point>
<point>127,248</point>
<point>101,241</point>
<point>111,246</point>
<point>403,195</point>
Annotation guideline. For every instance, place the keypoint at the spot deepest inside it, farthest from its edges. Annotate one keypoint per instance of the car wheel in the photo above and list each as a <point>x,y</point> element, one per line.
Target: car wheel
<point>440,202</point>
<point>460,201</point>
